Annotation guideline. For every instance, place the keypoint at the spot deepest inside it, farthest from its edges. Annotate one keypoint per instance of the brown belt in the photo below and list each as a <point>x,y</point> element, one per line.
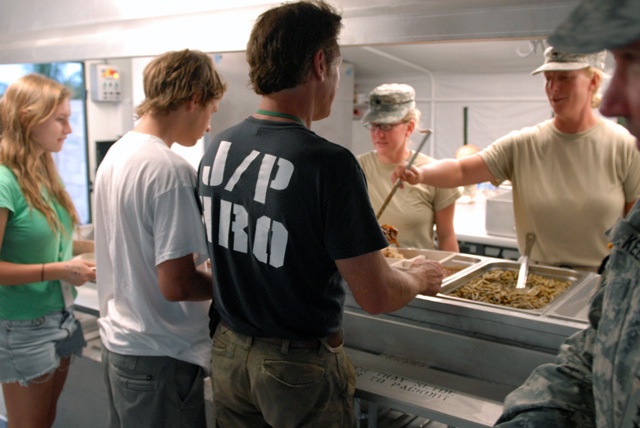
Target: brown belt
<point>333,340</point>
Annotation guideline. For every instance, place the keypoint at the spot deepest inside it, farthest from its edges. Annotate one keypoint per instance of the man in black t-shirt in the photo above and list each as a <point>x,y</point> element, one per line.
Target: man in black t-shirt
<point>288,222</point>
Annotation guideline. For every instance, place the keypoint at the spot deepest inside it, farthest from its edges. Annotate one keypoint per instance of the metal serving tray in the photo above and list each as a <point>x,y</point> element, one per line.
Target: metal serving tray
<point>574,305</point>
<point>410,253</point>
<point>464,277</point>
<point>459,264</point>
<point>455,263</point>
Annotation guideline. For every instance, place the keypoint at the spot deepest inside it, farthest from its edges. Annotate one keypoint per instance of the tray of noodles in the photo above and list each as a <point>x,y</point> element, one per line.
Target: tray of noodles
<point>493,283</point>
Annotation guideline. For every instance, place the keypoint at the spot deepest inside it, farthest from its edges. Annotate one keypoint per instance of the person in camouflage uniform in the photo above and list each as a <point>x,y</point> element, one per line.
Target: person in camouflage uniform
<point>595,381</point>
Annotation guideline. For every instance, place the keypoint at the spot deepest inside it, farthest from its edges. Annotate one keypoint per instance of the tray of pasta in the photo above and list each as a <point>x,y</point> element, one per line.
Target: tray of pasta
<point>493,283</point>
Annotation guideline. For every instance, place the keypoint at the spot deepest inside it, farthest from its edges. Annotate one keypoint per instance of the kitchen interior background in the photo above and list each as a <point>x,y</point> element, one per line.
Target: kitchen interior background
<point>469,105</point>
<point>466,59</point>
<point>469,62</point>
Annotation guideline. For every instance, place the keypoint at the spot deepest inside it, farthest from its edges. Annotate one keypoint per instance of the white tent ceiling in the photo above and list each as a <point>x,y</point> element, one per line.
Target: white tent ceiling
<point>420,30</point>
<point>502,56</point>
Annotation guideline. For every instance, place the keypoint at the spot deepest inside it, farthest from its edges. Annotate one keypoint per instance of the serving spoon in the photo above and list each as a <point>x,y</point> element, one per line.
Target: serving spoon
<point>524,261</point>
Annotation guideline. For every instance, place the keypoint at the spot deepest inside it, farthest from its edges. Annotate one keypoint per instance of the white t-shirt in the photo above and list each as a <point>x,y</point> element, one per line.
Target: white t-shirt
<point>568,189</point>
<point>147,213</point>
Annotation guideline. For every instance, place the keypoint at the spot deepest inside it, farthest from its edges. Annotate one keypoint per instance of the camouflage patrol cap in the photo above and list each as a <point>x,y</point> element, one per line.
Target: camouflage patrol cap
<point>599,24</point>
<point>390,103</point>
<point>555,60</point>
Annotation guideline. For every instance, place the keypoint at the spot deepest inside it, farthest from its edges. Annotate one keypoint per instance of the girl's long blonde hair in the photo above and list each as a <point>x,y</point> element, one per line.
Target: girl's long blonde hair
<point>26,103</point>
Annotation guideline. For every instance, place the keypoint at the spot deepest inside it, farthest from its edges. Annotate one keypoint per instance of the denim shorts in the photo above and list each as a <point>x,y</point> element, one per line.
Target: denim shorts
<point>32,348</point>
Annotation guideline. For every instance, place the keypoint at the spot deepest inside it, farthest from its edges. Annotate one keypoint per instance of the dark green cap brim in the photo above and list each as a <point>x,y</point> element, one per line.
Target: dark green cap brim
<point>595,25</point>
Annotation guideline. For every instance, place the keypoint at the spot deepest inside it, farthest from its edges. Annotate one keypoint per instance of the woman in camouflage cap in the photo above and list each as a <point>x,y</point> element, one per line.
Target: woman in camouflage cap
<point>392,118</point>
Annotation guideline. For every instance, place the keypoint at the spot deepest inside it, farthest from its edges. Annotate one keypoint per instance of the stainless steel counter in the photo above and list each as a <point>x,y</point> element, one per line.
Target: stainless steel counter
<point>477,353</point>
<point>443,358</point>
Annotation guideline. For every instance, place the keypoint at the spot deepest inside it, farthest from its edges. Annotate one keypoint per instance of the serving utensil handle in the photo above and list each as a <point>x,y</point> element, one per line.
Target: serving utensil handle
<point>524,263</point>
<point>427,133</point>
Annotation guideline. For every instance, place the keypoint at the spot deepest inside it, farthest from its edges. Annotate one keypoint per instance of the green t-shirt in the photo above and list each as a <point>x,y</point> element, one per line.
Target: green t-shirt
<point>28,239</point>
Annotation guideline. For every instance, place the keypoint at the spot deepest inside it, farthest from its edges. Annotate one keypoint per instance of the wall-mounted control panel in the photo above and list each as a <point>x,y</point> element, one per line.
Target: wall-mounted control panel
<point>105,83</point>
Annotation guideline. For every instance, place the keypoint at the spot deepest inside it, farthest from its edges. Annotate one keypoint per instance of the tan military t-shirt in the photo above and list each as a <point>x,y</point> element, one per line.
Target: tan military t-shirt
<point>568,189</point>
<point>411,210</point>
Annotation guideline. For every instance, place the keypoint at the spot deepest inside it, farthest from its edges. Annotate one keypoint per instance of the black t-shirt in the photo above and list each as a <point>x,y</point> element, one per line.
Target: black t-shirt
<point>280,205</point>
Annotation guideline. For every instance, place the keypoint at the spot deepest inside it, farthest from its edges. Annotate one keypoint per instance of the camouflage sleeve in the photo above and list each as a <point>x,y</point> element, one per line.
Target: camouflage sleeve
<point>559,394</point>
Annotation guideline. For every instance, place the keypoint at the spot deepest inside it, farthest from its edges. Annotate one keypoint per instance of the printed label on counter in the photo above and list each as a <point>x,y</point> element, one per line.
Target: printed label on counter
<point>430,401</point>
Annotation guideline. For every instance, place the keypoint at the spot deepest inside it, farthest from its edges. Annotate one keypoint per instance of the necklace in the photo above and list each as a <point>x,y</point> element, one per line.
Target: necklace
<point>283,115</point>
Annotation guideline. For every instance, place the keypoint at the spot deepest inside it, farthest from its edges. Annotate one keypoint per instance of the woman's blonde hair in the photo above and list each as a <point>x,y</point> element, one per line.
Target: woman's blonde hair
<point>415,115</point>
<point>26,103</point>
<point>596,98</point>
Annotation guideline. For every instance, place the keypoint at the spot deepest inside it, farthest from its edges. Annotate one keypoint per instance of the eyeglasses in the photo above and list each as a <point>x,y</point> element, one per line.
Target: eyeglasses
<point>386,127</point>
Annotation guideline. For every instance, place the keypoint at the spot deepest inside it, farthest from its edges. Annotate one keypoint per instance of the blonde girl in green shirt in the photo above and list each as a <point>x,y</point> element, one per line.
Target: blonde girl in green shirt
<point>38,332</point>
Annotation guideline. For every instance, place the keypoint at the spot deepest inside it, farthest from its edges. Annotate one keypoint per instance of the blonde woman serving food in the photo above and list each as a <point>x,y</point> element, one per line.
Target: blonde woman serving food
<point>38,332</point>
<point>414,211</point>
<point>573,175</point>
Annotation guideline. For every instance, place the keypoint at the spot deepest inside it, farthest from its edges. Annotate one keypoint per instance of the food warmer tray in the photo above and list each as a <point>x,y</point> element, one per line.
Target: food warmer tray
<point>571,309</point>
<point>457,264</point>
<point>541,329</point>
<point>574,304</point>
<point>497,346</point>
